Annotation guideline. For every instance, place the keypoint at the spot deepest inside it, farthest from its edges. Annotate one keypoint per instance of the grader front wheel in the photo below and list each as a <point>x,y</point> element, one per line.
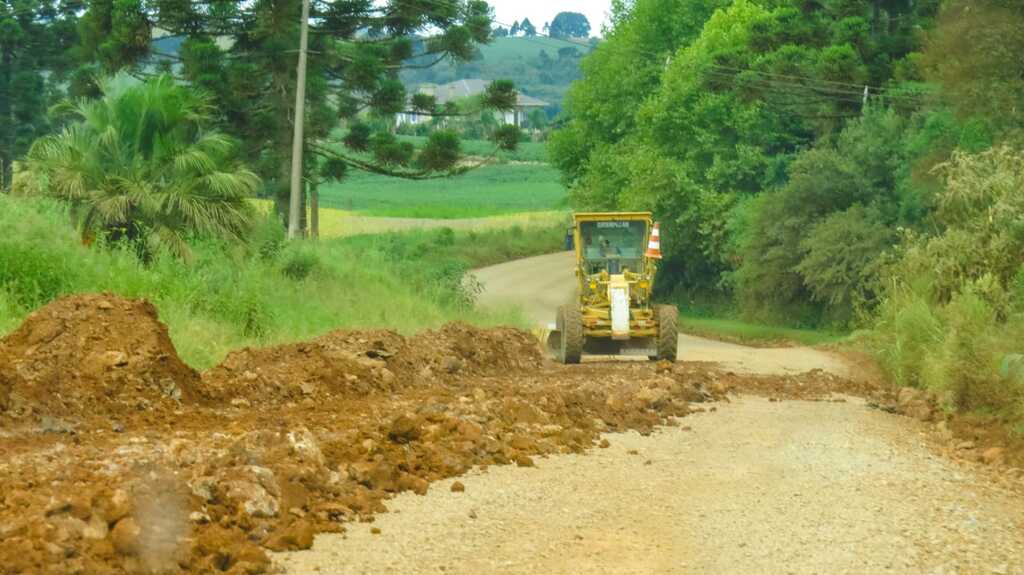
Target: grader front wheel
<point>668,331</point>
<point>570,324</point>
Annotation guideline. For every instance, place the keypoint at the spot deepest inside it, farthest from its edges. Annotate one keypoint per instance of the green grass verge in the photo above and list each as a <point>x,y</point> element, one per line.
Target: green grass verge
<point>755,334</point>
<point>263,293</point>
<point>488,191</point>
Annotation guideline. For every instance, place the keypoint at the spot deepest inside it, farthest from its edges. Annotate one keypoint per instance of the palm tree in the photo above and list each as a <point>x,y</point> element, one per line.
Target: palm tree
<point>139,164</point>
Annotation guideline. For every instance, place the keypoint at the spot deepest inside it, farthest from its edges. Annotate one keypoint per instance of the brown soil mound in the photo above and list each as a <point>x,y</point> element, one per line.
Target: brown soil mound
<point>461,348</point>
<point>339,363</point>
<point>357,363</point>
<point>91,355</point>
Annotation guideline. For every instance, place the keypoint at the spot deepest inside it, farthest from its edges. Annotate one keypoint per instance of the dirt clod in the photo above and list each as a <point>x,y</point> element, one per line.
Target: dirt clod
<point>126,536</point>
<point>458,487</point>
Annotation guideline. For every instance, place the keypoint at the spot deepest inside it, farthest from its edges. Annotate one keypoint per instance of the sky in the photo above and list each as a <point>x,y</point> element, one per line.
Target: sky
<point>540,11</point>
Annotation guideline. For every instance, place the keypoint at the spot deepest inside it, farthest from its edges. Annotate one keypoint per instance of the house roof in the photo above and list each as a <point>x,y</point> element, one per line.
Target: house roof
<point>462,89</point>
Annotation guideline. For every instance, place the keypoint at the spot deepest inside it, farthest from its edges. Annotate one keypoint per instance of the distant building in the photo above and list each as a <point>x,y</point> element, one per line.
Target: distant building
<point>462,89</point>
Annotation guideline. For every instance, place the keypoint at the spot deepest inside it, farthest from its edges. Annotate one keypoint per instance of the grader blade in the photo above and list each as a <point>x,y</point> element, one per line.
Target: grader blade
<point>552,339</point>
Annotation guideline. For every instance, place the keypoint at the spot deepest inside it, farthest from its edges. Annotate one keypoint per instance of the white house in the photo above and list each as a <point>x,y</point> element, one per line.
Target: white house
<point>462,89</point>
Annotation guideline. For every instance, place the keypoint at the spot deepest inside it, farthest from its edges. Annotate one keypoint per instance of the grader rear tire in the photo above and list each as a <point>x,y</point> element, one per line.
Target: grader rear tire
<point>570,323</point>
<point>668,331</point>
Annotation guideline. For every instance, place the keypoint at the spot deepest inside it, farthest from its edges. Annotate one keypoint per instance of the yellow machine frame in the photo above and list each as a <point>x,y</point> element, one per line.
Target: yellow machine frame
<point>593,292</point>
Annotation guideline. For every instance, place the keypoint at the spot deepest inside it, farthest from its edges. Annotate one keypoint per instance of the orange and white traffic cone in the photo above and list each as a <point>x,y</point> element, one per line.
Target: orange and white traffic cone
<point>654,244</point>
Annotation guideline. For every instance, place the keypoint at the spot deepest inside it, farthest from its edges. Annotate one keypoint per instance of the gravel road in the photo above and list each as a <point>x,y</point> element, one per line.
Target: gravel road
<point>538,285</point>
<point>756,487</point>
<point>753,487</point>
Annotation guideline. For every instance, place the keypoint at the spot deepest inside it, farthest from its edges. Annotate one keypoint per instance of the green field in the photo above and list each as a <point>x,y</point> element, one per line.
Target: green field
<point>524,152</point>
<point>488,191</point>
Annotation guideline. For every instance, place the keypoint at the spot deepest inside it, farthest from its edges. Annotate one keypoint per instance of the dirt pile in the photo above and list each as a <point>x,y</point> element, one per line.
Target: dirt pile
<point>359,363</point>
<point>234,482</point>
<point>459,349</point>
<point>91,355</point>
<point>277,444</point>
<point>814,385</point>
<point>339,363</point>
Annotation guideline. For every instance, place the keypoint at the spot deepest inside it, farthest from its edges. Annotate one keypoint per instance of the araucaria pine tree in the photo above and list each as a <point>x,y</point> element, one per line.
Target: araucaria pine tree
<point>244,53</point>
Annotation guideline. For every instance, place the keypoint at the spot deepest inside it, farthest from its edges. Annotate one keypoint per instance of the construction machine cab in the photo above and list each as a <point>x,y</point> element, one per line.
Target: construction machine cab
<point>613,245</point>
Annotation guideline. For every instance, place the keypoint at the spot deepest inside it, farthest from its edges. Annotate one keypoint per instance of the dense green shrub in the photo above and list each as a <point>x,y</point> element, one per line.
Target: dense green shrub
<point>141,165</point>
<point>951,316</point>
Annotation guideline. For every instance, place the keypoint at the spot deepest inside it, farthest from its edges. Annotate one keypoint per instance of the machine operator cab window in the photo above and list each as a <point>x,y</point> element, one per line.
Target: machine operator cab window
<point>613,246</point>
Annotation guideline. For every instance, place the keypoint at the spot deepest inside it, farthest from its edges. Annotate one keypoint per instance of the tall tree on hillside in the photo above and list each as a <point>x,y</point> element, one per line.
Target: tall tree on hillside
<point>36,37</point>
<point>514,31</point>
<point>244,54</point>
<point>529,30</point>
<point>570,25</point>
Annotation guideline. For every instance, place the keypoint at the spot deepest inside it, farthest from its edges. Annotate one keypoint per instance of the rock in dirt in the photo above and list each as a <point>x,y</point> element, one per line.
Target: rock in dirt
<point>126,536</point>
<point>916,403</point>
<point>252,496</point>
<point>458,487</point>
<point>405,428</point>
<point>296,537</point>
<point>993,455</point>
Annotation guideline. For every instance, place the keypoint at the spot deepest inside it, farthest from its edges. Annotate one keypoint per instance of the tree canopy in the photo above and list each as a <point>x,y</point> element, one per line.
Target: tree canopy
<point>762,131</point>
<point>37,39</point>
<point>244,55</point>
<point>570,25</point>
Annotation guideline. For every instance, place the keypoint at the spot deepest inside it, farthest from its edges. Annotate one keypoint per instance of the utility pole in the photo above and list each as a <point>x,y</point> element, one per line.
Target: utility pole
<point>300,119</point>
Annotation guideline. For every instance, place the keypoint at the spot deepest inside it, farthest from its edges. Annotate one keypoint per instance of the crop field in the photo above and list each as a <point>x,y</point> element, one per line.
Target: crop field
<point>492,190</point>
<point>524,152</point>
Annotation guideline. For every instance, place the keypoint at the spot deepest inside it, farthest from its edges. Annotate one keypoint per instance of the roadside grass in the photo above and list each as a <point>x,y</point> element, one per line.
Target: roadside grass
<point>492,190</point>
<point>754,334</point>
<point>263,293</point>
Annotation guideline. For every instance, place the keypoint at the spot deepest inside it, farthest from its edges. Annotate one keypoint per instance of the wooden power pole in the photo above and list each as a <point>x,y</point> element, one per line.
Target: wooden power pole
<point>295,204</point>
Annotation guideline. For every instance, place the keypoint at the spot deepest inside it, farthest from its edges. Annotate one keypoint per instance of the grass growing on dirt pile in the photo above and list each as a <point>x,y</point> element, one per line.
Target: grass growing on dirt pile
<point>731,329</point>
<point>230,296</point>
<point>488,191</point>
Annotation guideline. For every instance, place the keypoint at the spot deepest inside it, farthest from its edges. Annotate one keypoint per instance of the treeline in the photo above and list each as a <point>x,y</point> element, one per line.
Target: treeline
<point>543,68</point>
<point>845,163</point>
<point>233,73</point>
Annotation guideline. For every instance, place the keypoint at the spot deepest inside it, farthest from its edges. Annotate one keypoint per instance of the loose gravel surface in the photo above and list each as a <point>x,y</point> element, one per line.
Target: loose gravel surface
<point>540,284</point>
<point>755,487</point>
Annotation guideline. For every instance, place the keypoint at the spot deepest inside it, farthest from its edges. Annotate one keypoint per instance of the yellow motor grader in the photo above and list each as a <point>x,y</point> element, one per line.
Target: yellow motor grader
<point>617,257</point>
